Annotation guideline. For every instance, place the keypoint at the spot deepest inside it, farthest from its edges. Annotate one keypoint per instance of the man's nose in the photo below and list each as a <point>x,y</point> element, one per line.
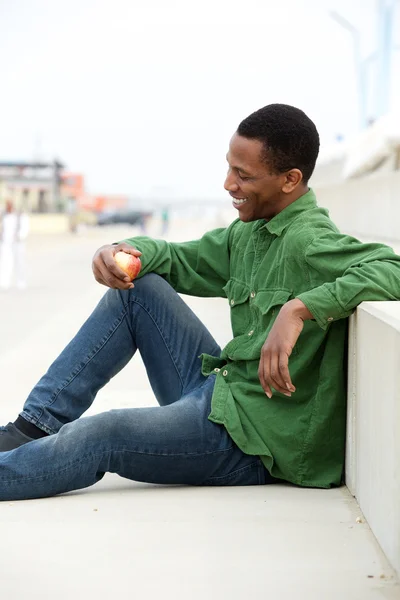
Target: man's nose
<point>230,183</point>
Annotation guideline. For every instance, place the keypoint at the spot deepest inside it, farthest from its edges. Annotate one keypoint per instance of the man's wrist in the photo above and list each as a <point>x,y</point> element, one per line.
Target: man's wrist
<point>297,308</point>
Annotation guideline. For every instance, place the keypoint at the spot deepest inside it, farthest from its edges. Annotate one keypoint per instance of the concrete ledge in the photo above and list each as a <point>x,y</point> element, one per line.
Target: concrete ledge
<point>373,440</point>
<point>48,223</point>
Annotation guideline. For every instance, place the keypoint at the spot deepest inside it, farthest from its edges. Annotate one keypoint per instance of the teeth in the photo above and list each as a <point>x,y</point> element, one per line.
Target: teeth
<point>240,200</point>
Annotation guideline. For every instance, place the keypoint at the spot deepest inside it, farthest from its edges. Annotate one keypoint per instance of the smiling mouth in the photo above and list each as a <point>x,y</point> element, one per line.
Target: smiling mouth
<point>239,201</point>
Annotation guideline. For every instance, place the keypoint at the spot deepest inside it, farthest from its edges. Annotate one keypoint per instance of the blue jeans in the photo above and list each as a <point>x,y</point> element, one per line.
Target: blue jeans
<point>173,443</point>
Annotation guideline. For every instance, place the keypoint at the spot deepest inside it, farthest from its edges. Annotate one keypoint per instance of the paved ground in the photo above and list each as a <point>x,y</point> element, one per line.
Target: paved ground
<point>124,539</point>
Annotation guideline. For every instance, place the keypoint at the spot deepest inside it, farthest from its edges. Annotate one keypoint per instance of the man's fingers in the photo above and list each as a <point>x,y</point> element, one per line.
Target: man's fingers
<point>273,372</point>
<point>110,280</point>
<point>105,269</point>
<point>275,376</point>
<point>130,250</point>
<point>111,272</point>
<point>261,376</point>
<point>115,271</point>
<point>126,248</point>
<point>283,365</point>
<point>97,274</point>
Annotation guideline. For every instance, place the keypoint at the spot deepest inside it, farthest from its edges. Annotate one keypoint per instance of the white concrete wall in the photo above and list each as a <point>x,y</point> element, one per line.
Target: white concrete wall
<point>373,442</point>
<point>367,207</point>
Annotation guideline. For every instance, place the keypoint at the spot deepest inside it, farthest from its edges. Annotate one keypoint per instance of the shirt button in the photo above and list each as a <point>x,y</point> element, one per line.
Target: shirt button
<point>251,332</point>
<point>252,295</point>
<point>232,302</point>
<point>330,318</point>
<point>225,373</point>
<point>216,370</point>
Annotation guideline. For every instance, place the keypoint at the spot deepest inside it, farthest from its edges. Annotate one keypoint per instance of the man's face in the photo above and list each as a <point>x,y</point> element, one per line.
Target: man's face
<point>256,192</point>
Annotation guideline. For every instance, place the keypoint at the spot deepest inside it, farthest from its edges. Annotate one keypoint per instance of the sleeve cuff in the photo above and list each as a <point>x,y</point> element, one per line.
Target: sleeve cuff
<point>323,306</point>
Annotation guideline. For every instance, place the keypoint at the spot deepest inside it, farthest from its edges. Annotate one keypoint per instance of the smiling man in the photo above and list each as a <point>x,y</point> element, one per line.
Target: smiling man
<point>268,407</point>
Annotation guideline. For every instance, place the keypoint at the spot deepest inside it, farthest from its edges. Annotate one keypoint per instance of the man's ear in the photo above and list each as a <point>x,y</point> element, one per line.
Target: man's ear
<point>293,179</point>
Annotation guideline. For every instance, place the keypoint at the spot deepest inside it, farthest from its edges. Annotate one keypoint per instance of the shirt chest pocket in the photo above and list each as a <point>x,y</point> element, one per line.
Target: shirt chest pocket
<point>269,302</point>
<point>238,295</point>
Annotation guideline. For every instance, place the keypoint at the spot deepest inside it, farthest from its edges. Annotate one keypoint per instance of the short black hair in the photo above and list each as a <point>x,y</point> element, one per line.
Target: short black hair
<point>290,138</point>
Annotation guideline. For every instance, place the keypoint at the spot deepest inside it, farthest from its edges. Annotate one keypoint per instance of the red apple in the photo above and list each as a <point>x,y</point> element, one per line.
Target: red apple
<point>130,264</point>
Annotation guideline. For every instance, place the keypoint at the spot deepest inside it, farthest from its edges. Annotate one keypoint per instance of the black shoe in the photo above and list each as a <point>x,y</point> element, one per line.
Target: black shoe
<point>11,437</point>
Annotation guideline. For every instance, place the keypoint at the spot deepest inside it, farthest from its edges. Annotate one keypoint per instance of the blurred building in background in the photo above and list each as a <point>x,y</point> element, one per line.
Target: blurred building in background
<point>46,187</point>
<point>72,186</point>
<point>33,186</point>
<point>73,192</point>
<point>105,202</point>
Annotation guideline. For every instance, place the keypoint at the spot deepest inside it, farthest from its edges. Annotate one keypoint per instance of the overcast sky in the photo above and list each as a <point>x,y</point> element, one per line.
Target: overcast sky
<point>143,95</point>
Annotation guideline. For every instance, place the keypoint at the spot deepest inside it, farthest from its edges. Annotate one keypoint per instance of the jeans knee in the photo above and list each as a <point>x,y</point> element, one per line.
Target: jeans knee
<point>149,286</point>
<point>151,283</point>
<point>89,432</point>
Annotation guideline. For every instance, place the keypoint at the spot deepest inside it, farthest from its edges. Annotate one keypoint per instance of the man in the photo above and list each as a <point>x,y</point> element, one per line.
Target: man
<point>271,405</point>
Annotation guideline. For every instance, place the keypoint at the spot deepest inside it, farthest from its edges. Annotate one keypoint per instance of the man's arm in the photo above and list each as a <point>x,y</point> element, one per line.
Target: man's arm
<point>199,267</point>
<point>343,272</point>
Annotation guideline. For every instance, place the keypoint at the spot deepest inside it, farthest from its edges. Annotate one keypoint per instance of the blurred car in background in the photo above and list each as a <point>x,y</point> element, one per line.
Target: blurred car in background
<point>125,217</point>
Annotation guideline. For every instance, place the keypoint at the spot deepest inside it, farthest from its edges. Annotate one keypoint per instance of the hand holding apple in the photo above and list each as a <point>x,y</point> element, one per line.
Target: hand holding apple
<point>130,264</point>
<point>106,269</point>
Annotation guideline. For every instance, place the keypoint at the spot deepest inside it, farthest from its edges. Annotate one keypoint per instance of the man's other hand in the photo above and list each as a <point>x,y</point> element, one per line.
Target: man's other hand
<point>105,269</point>
<point>273,370</point>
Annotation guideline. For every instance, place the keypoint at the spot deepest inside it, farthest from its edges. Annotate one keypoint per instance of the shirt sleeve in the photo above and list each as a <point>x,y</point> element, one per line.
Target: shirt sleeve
<point>344,272</point>
<point>197,268</point>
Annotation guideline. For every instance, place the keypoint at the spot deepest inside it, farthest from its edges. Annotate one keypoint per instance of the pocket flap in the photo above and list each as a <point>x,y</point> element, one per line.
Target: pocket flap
<point>236,292</point>
<point>265,300</point>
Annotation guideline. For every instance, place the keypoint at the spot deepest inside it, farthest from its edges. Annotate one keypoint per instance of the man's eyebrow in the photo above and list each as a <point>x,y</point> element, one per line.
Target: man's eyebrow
<point>239,168</point>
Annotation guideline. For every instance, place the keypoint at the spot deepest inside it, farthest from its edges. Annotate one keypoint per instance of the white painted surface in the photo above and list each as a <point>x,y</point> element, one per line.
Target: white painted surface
<point>373,443</point>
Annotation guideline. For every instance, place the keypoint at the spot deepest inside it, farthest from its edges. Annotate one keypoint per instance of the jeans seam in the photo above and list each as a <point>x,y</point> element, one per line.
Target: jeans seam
<point>232,474</point>
<point>171,454</point>
<point>104,452</point>
<point>75,372</point>
<point>36,422</point>
<point>163,337</point>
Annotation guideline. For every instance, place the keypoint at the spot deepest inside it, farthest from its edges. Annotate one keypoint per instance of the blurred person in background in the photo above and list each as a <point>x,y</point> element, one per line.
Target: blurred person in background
<point>14,231</point>
<point>72,212</point>
<point>271,405</point>
<point>164,220</point>
<point>142,224</point>
<point>9,228</point>
<point>20,249</point>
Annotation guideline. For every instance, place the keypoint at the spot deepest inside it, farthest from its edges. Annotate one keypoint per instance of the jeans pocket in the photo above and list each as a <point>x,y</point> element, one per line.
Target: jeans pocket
<point>252,474</point>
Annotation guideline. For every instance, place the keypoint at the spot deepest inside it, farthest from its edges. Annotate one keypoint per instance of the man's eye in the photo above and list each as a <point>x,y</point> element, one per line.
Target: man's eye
<point>243,178</point>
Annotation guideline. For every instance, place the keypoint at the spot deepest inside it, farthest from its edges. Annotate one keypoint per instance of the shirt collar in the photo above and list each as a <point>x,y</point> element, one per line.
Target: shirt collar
<point>277,224</point>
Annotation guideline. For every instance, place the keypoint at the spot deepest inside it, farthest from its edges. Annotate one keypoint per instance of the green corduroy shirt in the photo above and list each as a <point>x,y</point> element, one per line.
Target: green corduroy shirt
<point>258,267</point>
